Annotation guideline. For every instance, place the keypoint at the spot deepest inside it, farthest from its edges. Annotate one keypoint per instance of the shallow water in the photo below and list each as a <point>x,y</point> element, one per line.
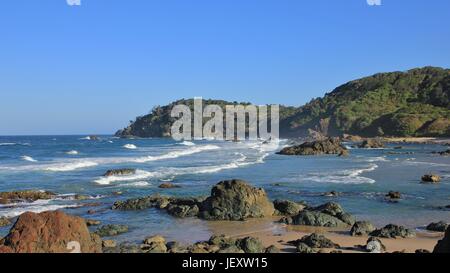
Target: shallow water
<point>71,165</point>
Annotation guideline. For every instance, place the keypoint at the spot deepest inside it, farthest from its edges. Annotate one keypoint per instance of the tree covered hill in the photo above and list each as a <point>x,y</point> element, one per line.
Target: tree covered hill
<point>411,103</point>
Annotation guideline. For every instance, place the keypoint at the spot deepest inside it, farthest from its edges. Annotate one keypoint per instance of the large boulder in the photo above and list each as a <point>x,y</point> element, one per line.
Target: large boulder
<point>443,246</point>
<point>49,232</point>
<point>250,245</point>
<point>372,143</point>
<point>327,215</point>
<point>236,200</point>
<point>319,147</point>
<point>393,231</point>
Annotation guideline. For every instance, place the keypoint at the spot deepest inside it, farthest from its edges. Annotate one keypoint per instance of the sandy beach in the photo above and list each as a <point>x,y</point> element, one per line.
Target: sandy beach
<point>272,233</point>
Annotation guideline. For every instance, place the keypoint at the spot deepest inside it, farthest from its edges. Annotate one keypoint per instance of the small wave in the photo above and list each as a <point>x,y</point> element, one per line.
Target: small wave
<point>38,206</point>
<point>73,152</point>
<point>351,176</point>
<point>187,143</point>
<point>176,154</point>
<point>65,167</point>
<point>28,158</point>
<point>130,146</point>
<point>375,159</point>
<point>14,144</point>
<point>138,184</point>
<point>138,175</point>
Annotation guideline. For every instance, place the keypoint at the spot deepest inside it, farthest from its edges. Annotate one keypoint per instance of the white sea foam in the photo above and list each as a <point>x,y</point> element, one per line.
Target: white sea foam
<point>28,158</point>
<point>70,166</point>
<point>130,146</point>
<point>8,144</point>
<point>175,154</point>
<point>187,143</point>
<point>73,152</point>
<point>138,175</point>
<point>351,176</point>
<point>14,210</point>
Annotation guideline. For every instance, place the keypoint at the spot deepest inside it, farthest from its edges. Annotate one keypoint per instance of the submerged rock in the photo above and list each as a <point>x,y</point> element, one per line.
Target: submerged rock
<point>327,146</point>
<point>394,195</point>
<point>443,246</point>
<point>111,230</point>
<point>49,232</point>
<point>440,226</point>
<point>120,172</point>
<point>431,178</point>
<point>362,228</point>
<point>393,231</point>
<point>236,200</point>
<point>371,143</point>
<point>25,196</point>
<point>443,153</point>
<point>168,186</point>
<point>91,222</point>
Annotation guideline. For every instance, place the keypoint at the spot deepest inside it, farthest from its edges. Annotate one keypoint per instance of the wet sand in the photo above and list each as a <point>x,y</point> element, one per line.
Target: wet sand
<point>271,233</point>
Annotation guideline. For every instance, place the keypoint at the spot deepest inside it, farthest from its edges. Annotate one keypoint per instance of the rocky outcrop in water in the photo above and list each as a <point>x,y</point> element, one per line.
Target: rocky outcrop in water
<point>49,232</point>
<point>4,222</point>
<point>443,153</point>
<point>111,230</point>
<point>25,196</point>
<point>431,178</point>
<point>393,231</point>
<point>120,172</point>
<point>362,228</point>
<point>168,185</point>
<point>319,147</point>
<point>229,200</point>
<point>443,246</point>
<point>372,143</point>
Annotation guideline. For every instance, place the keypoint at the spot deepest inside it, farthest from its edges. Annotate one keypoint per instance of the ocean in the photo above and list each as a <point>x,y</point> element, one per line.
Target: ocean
<point>70,165</point>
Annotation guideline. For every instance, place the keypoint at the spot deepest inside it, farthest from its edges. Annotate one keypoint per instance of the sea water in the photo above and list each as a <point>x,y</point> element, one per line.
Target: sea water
<point>70,165</point>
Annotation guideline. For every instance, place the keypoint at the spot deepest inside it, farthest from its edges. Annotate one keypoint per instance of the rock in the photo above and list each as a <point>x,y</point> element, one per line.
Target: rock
<point>331,194</point>
<point>362,228</point>
<point>315,240</point>
<point>236,200</point>
<point>431,178</point>
<point>109,243</point>
<point>371,143</point>
<point>352,138</point>
<point>25,196</point>
<point>272,249</point>
<point>152,201</point>
<point>120,172</point>
<point>422,251</point>
<point>111,230</point>
<point>443,246</point>
<point>4,222</point>
<point>443,153</point>
<point>155,239</point>
<point>286,207</point>
<point>81,197</point>
<point>124,248</point>
<point>315,218</point>
<point>222,241</point>
<point>304,248</point>
<point>175,247</point>
<point>319,147</point>
<point>93,137</point>
<point>155,247</point>
<point>49,232</point>
<point>335,210</point>
<point>440,226</point>
<point>374,245</point>
<point>250,245</point>
<point>344,153</point>
<point>394,195</point>
<point>183,207</point>
<point>91,222</point>
<point>231,249</point>
<point>168,186</point>
<point>392,231</point>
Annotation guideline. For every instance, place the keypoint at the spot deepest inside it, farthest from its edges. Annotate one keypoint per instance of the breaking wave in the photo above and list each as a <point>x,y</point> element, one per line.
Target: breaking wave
<point>130,146</point>
<point>73,152</point>
<point>351,176</point>
<point>13,210</point>
<point>28,158</point>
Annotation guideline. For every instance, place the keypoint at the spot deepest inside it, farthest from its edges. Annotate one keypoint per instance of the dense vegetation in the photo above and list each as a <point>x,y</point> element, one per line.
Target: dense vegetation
<point>411,103</point>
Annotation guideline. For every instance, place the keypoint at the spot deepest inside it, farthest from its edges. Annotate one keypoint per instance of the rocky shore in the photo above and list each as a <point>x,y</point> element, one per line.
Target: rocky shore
<point>229,201</point>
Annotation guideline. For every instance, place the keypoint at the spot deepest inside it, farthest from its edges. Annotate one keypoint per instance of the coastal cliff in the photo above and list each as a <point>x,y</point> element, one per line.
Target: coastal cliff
<point>411,103</point>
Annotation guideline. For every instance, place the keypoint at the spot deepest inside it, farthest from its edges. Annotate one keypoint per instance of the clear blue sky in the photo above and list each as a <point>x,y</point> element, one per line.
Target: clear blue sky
<point>92,68</point>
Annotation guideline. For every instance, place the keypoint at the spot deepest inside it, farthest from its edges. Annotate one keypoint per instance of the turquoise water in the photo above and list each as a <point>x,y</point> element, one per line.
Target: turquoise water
<point>71,165</point>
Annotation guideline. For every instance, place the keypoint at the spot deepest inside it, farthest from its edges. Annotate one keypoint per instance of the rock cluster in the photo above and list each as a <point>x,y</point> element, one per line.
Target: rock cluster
<point>119,172</point>
<point>111,230</point>
<point>327,215</point>
<point>25,196</point>
<point>431,178</point>
<point>372,143</point>
<point>310,243</point>
<point>393,231</point>
<point>319,147</point>
<point>229,200</point>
